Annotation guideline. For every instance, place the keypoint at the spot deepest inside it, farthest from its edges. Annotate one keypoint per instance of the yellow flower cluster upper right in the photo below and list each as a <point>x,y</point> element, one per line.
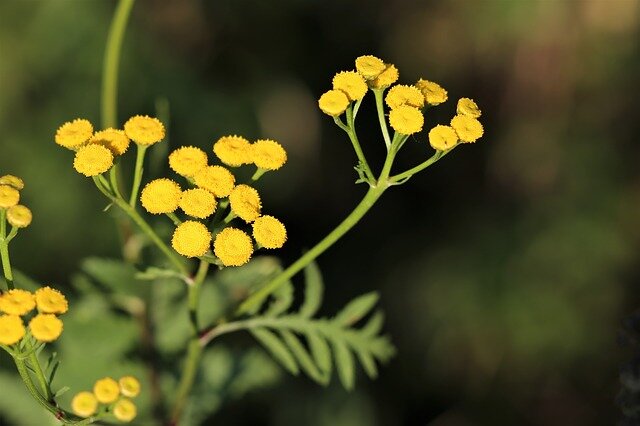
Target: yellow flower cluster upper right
<point>116,395</point>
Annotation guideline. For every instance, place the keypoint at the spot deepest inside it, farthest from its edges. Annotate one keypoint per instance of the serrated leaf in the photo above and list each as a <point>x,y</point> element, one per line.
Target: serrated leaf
<point>374,325</point>
<point>313,291</point>
<point>356,309</point>
<point>368,363</point>
<point>277,349</point>
<point>344,363</point>
<point>303,357</point>
<point>321,352</point>
<point>282,299</point>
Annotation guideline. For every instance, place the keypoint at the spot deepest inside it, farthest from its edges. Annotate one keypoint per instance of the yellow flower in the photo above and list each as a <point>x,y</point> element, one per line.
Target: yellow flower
<point>45,327</point>
<point>161,196</point>
<point>144,130</point>
<point>191,239</point>
<point>74,134</point>
<point>11,329</point>
<point>13,181</point>
<point>114,139</point>
<point>198,203</point>
<point>84,404</point>
<point>351,83</point>
<point>51,301</point>
<point>9,196</point>
<point>125,410</point>
<point>19,216</point>
<point>17,302</point>
<point>369,66</point>
<point>269,232</point>
<point>432,92</point>
<point>333,102</point>
<point>245,202</point>
<point>129,386</point>
<point>92,160</point>
<point>233,247</point>
<point>468,128</point>
<point>406,119</point>
<point>442,138</point>
<point>215,179</point>
<point>468,107</point>
<point>386,78</point>
<point>106,390</point>
<point>268,154</point>
<point>233,150</point>
<point>186,161</point>
<point>404,95</point>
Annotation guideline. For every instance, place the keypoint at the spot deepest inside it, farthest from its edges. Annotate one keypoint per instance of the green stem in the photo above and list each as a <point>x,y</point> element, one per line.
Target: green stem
<point>113,179</point>
<point>381,117</point>
<point>4,250</point>
<point>35,364</point>
<point>137,175</point>
<point>194,295</point>
<point>356,144</point>
<point>405,175</point>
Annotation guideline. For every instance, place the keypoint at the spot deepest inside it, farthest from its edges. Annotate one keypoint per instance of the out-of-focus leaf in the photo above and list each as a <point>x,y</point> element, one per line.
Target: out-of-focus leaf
<point>275,346</point>
<point>313,290</point>
<point>356,309</point>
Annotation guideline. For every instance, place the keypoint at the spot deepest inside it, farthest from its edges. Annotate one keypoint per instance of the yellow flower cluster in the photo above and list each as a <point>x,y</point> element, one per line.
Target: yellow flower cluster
<point>44,326</point>
<point>115,395</point>
<point>16,214</point>
<point>464,127</point>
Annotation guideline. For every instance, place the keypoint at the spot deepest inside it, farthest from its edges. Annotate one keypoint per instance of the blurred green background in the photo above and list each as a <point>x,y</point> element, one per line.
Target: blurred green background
<point>505,270</point>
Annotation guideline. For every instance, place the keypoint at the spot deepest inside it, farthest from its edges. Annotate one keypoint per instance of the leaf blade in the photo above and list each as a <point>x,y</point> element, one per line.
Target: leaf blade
<point>276,348</point>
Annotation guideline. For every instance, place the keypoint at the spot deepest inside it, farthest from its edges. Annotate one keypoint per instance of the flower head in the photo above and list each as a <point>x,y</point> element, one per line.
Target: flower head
<point>161,196</point>
<point>17,302</point>
<point>215,179</point>
<point>351,83</point>
<point>433,93</point>
<point>13,181</point>
<point>84,404</point>
<point>468,128</point>
<point>144,130</point>
<point>406,119</point>
<point>114,139</point>
<point>369,66</point>
<point>198,202</point>
<point>51,301</point>
<point>191,239</point>
<point>333,102</point>
<point>268,154</point>
<point>92,160</point>
<point>245,202</point>
<point>125,410</point>
<point>45,327</point>
<point>233,150</point>
<point>11,329</point>
<point>269,232</point>
<point>9,196</point>
<point>188,160</point>
<point>233,247</point>
<point>442,138</point>
<point>129,386</point>
<point>468,107</point>
<point>404,95</point>
<point>106,390</point>
<point>19,216</point>
<point>74,134</point>
<point>386,78</point>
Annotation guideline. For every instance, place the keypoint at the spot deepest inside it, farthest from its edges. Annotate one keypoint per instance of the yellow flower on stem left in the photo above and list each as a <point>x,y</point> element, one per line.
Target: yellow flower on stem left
<point>17,302</point>
<point>11,329</point>
<point>45,327</point>
<point>92,160</point>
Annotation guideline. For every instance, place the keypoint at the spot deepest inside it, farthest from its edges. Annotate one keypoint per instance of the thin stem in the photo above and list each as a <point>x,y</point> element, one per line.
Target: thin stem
<point>35,364</point>
<point>194,295</point>
<point>137,174</point>
<point>176,221</point>
<point>356,144</point>
<point>113,179</point>
<point>4,250</point>
<point>381,117</point>
<point>405,175</point>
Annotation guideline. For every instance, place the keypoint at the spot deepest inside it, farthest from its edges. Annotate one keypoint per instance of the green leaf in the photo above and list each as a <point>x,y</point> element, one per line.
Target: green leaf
<point>277,349</point>
<point>356,309</point>
<point>344,363</point>
<point>320,351</point>
<point>282,299</point>
<point>115,275</point>
<point>61,391</point>
<point>368,363</point>
<point>153,273</point>
<point>314,287</point>
<point>374,325</point>
<point>303,357</point>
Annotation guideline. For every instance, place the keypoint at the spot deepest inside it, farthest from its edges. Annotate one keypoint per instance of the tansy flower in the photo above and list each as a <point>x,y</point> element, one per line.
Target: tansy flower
<point>468,107</point>
<point>269,232</point>
<point>84,404</point>
<point>144,130</point>
<point>161,196</point>
<point>73,134</point>
<point>233,247</point>
<point>45,327</point>
<point>13,181</point>
<point>333,102</point>
<point>233,150</point>
<point>9,196</point>
<point>268,154</point>
<point>198,203</point>
<point>125,410</point>
<point>215,179</point>
<point>245,202</point>
<point>51,301</point>
<point>19,216</point>
<point>92,160</point>
<point>406,119</point>
<point>442,138</point>
<point>191,239</point>
<point>113,139</point>
<point>369,66</point>
<point>432,92</point>
<point>129,386</point>
<point>404,95</point>
<point>351,83</point>
<point>17,302</point>
<point>468,128</point>
<point>11,329</point>
<point>386,78</point>
<point>186,161</point>
<point>106,390</point>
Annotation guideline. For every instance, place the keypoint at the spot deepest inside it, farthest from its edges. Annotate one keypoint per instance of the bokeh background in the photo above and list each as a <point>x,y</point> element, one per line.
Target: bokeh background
<point>505,270</point>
